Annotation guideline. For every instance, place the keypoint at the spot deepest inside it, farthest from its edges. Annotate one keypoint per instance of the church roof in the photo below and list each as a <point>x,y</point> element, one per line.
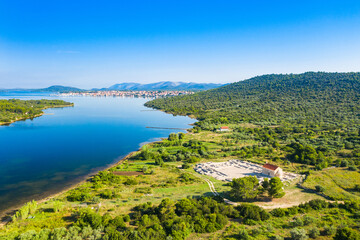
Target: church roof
<point>270,166</point>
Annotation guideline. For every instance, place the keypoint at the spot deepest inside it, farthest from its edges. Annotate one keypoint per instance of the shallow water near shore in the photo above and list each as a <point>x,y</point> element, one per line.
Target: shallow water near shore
<point>46,155</point>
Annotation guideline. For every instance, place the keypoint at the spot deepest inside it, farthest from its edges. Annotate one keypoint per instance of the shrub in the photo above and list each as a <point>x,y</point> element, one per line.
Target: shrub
<point>108,194</point>
<point>57,205</point>
<point>78,195</point>
<point>187,178</point>
<point>278,212</point>
<point>87,217</point>
<point>253,212</point>
<point>131,181</point>
<point>318,204</point>
<point>298,234</point>
<point>344,163</point>
<point>186,166</point>
<point>298,222</point>
<point>26,210</point>
<point>314,232</point>
<point>277,238</point>
<point>292,211</point>
<point>329,230</point>
<point>126,218</point>
<point>346,233</point>
<point>145,169</point>
<point>352,168</point>
<point>95,200</point>
<point>145,190</point>
<point>319,188</point>
<point>308,220</point>
<point>243,235</point>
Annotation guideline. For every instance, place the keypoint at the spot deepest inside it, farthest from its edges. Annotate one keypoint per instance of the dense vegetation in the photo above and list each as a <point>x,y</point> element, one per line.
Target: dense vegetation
<point>311,98</point>
<point>179,219</point>
<point>15,109</point>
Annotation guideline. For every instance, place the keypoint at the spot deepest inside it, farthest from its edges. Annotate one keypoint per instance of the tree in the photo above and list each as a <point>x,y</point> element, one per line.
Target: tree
<point>244,188</point>
<point>265,184</point>
<point>276,188</point>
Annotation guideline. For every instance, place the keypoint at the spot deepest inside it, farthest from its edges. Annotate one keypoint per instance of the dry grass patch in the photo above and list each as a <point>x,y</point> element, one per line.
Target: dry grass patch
<point>338,183</point>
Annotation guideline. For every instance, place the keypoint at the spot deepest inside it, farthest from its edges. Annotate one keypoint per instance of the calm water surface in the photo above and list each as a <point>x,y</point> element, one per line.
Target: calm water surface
<point>47,154</point>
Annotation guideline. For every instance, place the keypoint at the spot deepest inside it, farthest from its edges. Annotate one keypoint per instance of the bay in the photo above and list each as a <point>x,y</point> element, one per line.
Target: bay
<point>50,153</point>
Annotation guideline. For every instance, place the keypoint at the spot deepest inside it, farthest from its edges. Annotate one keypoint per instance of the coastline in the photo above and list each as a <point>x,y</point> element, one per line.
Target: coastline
<point>20,119</point>
<point>5,215</point>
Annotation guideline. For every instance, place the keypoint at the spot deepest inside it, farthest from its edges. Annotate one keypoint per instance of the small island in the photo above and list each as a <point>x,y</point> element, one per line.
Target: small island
<point>13,110</point>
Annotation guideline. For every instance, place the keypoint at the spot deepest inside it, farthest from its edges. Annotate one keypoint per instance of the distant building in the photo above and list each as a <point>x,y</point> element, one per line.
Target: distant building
<point>272,170</point>
<point>224,129</point>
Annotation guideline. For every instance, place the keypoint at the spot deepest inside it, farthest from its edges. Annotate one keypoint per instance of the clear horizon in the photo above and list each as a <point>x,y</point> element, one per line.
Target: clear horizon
<point>88,44</point>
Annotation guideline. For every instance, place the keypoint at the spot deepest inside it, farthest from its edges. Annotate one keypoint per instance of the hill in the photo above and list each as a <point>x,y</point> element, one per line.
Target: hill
<point>58,88</point>
<point>164,86</point>
<point>55,88</point>
<point>312,97</point>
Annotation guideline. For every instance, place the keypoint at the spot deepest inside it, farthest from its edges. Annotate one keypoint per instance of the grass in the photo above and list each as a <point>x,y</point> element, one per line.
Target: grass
<point>338,183</point>
<point>293,197</point>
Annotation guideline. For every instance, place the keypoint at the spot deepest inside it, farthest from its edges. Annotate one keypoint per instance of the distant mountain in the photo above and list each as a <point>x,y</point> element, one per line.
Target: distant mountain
<point>164,86</point>
<point>55,88</point>
<point>58,88</point>
<point>126,86</point>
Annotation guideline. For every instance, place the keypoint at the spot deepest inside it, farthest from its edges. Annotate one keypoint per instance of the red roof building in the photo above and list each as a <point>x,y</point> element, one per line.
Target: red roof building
<point>224,128</point>
<point>272,170</point>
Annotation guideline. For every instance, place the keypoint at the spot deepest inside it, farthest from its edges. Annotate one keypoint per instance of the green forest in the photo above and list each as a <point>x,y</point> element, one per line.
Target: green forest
<point>15,109</point>
<point>312,98</point>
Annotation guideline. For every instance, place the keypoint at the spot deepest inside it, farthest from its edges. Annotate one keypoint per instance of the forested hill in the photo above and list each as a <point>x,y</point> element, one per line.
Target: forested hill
<point>312,97</point>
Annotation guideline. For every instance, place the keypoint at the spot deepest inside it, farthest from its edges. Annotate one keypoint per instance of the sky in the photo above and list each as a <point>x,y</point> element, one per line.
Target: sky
<point>92,44</point>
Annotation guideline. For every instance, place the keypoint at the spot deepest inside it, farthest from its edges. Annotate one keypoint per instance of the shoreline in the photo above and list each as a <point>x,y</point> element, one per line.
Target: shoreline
<point>5,215</point>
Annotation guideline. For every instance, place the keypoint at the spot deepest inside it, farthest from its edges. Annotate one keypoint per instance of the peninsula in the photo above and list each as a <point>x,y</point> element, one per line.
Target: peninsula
<point>13,110</point>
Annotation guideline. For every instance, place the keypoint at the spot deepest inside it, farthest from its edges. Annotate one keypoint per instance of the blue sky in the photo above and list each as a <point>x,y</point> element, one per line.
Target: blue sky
<point>99,43</point>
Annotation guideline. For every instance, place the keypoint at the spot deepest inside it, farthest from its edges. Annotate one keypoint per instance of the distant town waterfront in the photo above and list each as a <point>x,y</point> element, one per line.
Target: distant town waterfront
<point>45,155</point>
<point>143,94</point>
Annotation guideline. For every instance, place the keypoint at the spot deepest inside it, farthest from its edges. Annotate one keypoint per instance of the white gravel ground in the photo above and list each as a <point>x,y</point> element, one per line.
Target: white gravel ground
<point>228,170</point>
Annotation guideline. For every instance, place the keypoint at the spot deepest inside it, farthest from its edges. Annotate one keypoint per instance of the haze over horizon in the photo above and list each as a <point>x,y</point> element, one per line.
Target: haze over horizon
<point>88,44</point>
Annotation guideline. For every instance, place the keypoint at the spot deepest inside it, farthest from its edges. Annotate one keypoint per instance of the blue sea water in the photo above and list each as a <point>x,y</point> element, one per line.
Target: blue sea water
<point>50,153</point>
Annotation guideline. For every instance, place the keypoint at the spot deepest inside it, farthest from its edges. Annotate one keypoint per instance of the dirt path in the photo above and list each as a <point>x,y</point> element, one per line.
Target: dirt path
<point>213,190</point>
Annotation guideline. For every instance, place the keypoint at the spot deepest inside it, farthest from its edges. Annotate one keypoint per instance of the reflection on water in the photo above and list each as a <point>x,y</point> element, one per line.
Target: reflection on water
<point>47,154</point>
